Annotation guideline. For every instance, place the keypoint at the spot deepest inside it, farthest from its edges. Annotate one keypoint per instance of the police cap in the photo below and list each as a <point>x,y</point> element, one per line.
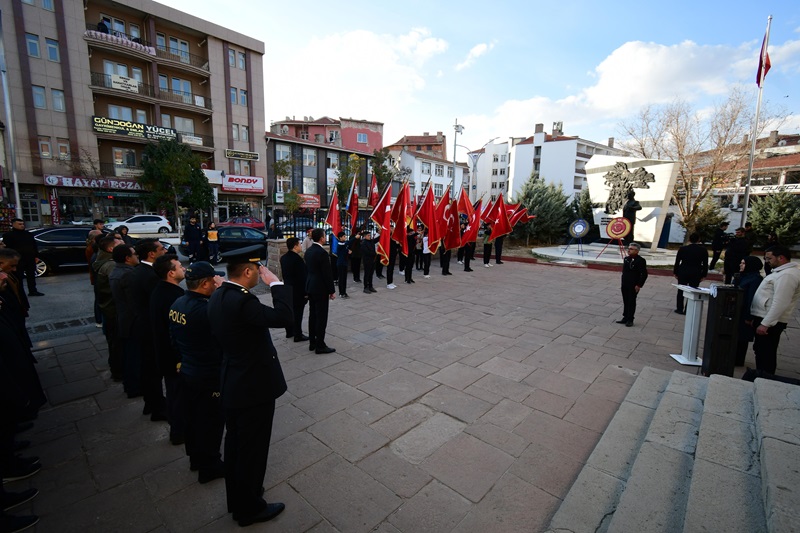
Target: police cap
<point>249,254</point>
<point>200,270</point>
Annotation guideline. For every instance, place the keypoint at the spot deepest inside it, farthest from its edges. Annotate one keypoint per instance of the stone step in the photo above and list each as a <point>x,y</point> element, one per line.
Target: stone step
<point>725,489</point>
<point>777,428</point>
<point>657,490</point>
<point>594,496</point>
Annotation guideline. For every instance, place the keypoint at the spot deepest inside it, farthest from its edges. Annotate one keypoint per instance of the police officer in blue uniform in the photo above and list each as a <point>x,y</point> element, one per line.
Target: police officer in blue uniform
<point>252,378</point>
<point>199,371</point>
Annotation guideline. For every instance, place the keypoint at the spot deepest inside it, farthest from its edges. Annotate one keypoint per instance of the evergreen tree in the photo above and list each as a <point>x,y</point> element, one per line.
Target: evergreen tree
<point>707,219</point>
<point>382,168</point>
<point>779,212</point>
<point>549,203</point>
<point>582,208</point>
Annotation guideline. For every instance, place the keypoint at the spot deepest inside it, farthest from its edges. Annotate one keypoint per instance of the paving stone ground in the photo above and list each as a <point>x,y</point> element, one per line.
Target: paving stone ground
<point>466,403</point>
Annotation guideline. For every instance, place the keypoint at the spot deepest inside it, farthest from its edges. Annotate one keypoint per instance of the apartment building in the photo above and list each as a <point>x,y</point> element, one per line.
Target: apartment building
<point>348,133</point>
<point>93,81</point>
<point>432,145</point>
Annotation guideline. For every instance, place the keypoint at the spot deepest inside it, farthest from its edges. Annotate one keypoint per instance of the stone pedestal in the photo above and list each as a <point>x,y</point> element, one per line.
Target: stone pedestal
<point>275,249</point>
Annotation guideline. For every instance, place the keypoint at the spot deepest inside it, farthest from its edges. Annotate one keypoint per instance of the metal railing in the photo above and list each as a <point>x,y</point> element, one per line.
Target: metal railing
<point>121,35</point>
<point>174,54</point>
<point>192,138</point>
<point>99,79</point>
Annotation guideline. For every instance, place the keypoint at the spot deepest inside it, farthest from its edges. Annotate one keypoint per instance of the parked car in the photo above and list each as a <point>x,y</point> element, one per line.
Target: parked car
<point>233,238</point>
<point>296,227</point>
<point>64,246</point>
<point>250,222</point>
<point>143,224</point>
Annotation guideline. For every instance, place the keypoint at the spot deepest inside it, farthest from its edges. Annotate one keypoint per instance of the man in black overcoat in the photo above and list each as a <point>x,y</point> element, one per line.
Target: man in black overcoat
<point>691,266</point>
<point>251,377</point>
<point>738,248</point>
<point>320,290</point>
<point>634,274</point>
<point>294,273</point>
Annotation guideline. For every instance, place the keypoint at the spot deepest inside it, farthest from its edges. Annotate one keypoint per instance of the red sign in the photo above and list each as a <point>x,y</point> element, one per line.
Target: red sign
<point>309,201</point>
<point>251,184</point>
<point>618,228</point>
<point>54,210</point>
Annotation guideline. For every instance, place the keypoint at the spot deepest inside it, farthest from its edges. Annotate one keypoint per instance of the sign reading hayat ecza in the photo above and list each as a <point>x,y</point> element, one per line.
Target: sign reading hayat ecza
<point>250,184</point>
<point>102,183</point>
<point>610,178</point>
<point>127,128</point>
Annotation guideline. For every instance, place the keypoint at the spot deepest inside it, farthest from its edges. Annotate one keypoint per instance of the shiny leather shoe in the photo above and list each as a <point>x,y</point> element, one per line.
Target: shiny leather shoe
<point>268,513</point>
<point>301,338</point>
<point>312,347</point>
<point>325,349</point>
<point>623,321</point>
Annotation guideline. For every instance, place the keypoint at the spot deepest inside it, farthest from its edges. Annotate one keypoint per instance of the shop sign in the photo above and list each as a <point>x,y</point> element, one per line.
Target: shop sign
<point>127,128</point>
<point>251,184</point>
<point>309,201</point>
<point>127,172</point>
<point>279,197</point>
<point>101,183</point>
<point>124,83</point>
<point>241,154</point>
<point>191,139</point>
<point>55,212</point>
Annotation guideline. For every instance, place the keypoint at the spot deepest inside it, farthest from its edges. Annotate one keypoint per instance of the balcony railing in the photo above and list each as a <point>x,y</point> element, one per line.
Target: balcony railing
<point>174,54</point>
<point>196,139</point>
<point>129,85</point>
<point>121,35</point>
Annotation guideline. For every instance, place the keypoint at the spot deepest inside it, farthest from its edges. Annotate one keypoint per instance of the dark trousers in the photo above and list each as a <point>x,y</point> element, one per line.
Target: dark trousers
<point>116,349</point>
<point>469,254</point>
<point>498,250</point>
<point>444,259</point>
<point>27,270</point>
<point>629,302</point>
<point>298,306</point>
<point>369,269</point>
<point>213,251</point>
<point>390,266</point>
<point>714,259</point>
<point>741,350</point>
<point>766,346</point>
<point>246,454</point>
<point>409,270</point>
<point>204,421</point>
<point>177,426</point>
<point>317,319</point>
<point>691,281</point>
<point>334,268</point>
<point>152,390</point>
<point>426,263</point>
<point>418,259</point>
<point>193,248</point>
<point>132,381</point>
<point>342,275</point>
<point>378,267</point>
<point>401,263</point>
<point>487,253</point>
<point>355,266</point>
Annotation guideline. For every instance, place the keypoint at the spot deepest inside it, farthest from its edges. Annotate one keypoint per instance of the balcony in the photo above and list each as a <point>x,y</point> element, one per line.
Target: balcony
<point>204,143</point>
<point>123,86</point>
<point>120,171</point>
<point>183,58</point>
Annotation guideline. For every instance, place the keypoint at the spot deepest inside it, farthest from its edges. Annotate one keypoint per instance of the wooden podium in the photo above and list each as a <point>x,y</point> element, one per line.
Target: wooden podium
<point>691,327</point>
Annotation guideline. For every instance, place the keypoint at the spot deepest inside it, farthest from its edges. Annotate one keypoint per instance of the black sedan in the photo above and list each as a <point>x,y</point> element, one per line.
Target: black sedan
<point>232,238</point>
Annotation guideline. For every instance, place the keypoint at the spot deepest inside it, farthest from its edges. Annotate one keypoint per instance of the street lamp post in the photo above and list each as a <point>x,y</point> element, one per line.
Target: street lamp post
<point>458,129</point>
<point>9,122</point>
<point>474,173</point>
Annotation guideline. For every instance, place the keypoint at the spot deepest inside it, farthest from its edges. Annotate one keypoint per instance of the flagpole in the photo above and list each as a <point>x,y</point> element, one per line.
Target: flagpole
<point>762,74</point>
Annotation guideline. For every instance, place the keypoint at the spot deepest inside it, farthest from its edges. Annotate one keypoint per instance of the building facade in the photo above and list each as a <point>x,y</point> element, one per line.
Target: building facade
<point>351,134</point>
<point>93,81</point>
<point>432,145</point>
<point>422,169</point>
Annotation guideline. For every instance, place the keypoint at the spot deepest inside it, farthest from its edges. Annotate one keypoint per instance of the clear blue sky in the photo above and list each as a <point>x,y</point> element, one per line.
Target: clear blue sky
<point>501,67</point>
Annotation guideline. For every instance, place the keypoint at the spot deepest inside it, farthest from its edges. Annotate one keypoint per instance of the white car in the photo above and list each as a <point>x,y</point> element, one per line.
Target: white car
<point>143,224</point>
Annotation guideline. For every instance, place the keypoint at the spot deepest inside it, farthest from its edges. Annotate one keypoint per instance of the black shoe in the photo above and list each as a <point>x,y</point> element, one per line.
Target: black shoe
<point>268,513</point>
<point>25,461</point>
<point>325,349</point>
<point>15,472</point>
<point>211,473</point>
<point>344,296</point>
<point>623,321</point>
<point>629,323</point>
<point>380,277</point>
<point>14,499</point>
<point>14,524</point>
<point>158,416</point>
<point>499,262</point>
<point>372,290</point>
<point>680,311</point>
<point>289,335</point>
<point>300,338</point>
<point>467,270</point>
<point>357,280</point>
<point>20,445</point>
<point>366,290</point>
<point>37,293</point>
<point>177,439</point>
<point>312,347</point>
<point>147,409</point>
<point>24,426</point>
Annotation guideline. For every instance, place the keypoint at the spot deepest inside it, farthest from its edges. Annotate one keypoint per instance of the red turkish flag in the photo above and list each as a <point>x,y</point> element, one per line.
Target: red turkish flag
<point>473,225</point>
<point>427,215</point>
<point>499,219</point>
<point>464,205</point>
<point>440,221</point>
<point>452,238</point>
<point>352,204</point>
<point>764,64</point>
<point>486,211</point>
<point>333,217</point>
<point>373,192</point>
<point>400,219</point>
<point>381,215</point>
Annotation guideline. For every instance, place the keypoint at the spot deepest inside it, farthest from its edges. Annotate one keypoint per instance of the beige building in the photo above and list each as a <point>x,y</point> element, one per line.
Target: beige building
<point>93,81</point>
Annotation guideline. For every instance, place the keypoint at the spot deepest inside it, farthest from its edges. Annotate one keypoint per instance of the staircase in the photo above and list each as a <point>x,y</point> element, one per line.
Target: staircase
<point>689,453</point>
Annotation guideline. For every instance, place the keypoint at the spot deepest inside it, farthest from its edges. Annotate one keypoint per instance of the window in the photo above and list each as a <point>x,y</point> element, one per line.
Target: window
<point>319,137</point>
<point>502,185</point>
<point>243,97</point>
<point>439,170</point>
<point>231,58</point>
<point>179,47</point>
<point>133,31</point>
<point>282,151</point>
<point>63,149</point>
<point>304,135</point>
<point>166,121</point>
<point>333,160</point>
<point>426,168</point>
<point>48,5</point>
<point>163,82</point>
<point>120,112</point>
<point>494,185</point>
<point>494,172</point>
<point>361,138</point>
<point>241,167</point>
<point>44,148</point>
<point>536,167</point>
<point>141,116</point>
<point>33,45</point>
<point>39,101</point>
<point>136,73</point>
<point>245,131</point>
<point>110,68</point>
<point>242,60</point>
<point>494,197</point>
<point>30,2</point>
<point>495,158</point>
<point>52,50</point>
<point>284,184</point>
<point>502,172</point>
<point>234,95</point>
<point>184,125</point>
<point>503,158</point>
<point>182,88</point>
<point>59,103</point>
<point>309,158</point>
<point>537,152</point>
<point>438,189</point>
<point>449,172</point>
<point>235,131</point>
<point>161,41</point>
<point>124,157</point>
<point>309,185</point>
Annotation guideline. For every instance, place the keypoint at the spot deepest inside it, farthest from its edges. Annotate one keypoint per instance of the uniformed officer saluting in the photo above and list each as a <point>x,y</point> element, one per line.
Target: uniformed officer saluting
<point>199,371</point>
<point>251,378</point>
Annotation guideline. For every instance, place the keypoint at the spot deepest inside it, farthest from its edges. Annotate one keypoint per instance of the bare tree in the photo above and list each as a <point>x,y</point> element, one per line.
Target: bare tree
<point>710,146</point>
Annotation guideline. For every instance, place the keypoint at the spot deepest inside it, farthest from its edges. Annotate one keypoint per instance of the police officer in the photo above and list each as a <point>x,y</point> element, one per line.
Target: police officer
<point>252,378</point>
<point>199,370</point>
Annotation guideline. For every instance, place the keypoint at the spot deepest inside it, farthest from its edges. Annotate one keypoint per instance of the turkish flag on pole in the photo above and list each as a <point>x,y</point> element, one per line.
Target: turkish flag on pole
<point>439,220</point>
<point>412,209</point>
<point>764,63</point>
<point>352,204</point>
<point>381,216</point>
<point>452,238</point>
<point>521,215</point>
<point>464,205</point>
<point>333,218</point>
<point>373,192</point>
<point>499,219</point>
<point>473,224</point>
<point>486,211</point>
<point>399,217</point>
<point>427,215</point>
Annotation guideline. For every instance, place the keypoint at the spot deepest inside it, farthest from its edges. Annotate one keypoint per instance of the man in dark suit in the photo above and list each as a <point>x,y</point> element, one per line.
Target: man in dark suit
<point>143,279</point>
<point>320,290</point>
<point>738,248</point>
<point>634,274</point>
<point>294,273</point>
<point>691,266</point>
<point>251,378</point>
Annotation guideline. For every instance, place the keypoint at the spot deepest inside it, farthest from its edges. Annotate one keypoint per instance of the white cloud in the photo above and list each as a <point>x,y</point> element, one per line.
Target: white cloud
<point>475,52</point>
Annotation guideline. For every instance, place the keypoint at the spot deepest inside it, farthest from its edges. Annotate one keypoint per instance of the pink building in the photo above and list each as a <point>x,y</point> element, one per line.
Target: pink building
<point>347,133</point>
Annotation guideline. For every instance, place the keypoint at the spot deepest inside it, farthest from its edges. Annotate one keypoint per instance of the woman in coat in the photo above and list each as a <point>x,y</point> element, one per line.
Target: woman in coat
<point>748,280</point>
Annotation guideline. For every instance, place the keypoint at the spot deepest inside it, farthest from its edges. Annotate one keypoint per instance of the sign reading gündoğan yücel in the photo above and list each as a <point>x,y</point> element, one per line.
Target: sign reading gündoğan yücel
<point>116,126</point>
